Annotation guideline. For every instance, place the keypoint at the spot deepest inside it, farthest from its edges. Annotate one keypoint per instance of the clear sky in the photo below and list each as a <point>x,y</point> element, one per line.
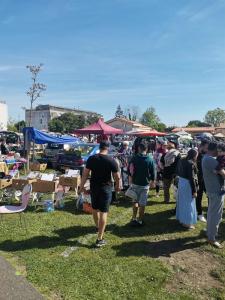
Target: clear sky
<point>97,54</point>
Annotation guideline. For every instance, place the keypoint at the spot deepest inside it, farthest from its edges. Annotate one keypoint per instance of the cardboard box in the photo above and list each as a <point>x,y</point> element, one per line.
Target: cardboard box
<point>5,183</point>
<point>44,186</point>
<point>19,184</point>
<point>37,166</point>
<point>72,182</point>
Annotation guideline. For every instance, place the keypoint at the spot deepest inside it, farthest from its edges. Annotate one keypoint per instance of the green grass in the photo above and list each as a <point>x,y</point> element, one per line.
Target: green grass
<point>127,268</point>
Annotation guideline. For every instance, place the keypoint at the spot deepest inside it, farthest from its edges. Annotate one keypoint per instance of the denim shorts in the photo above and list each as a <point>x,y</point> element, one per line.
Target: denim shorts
<point>142,194</point>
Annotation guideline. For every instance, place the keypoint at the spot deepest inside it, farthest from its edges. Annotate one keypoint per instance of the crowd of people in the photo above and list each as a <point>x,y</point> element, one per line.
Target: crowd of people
<point>201,171</point>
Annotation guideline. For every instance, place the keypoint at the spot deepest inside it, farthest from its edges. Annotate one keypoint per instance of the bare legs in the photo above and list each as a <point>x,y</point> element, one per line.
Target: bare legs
<point>100,219</point>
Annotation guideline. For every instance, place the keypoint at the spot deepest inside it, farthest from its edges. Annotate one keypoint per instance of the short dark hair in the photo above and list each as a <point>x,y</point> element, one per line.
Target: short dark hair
<point>191,154</point>
<point>204,142</point>
<point>143,146</point>
<point>221,147</point>
<point>212,146</point>
<point>104,145</point>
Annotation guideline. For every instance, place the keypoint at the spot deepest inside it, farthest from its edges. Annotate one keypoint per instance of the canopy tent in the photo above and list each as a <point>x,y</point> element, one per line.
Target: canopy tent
<point>148,133</point>
<point>99,128</point>
<point>38,137</point>
<point>219,135</point>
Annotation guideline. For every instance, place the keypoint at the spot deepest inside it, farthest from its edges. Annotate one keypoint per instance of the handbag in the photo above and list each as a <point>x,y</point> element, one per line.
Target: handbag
<point>130,193</point>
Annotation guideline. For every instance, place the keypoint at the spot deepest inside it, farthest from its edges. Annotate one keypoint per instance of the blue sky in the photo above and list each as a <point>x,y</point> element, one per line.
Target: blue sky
<point>97,54</point>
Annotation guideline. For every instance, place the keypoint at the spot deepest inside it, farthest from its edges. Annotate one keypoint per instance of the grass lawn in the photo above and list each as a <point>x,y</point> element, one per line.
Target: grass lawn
<point>158,261</point>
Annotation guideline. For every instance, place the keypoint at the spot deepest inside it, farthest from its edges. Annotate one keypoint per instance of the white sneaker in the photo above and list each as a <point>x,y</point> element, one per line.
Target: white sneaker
<point>202,218</point>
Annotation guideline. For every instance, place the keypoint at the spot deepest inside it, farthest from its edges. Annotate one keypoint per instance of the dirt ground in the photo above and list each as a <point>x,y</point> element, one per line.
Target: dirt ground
<point>193,270</point>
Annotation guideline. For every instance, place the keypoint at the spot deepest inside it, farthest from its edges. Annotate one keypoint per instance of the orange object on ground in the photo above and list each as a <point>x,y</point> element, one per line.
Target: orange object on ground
<point>87,208</point>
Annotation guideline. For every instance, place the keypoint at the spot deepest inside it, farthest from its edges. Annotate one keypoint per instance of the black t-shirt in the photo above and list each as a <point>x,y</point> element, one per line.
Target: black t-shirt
<point>4,149</point>
<point>102,167</point>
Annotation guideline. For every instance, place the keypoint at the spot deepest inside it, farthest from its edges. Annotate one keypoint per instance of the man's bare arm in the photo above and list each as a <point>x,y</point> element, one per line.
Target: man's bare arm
<point>116,177</point>
<point>85,176</point>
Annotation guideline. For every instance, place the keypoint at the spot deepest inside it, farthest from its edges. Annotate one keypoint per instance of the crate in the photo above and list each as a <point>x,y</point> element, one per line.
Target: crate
<point>19,184</point>
<point>5,183</point>
<point>38,167</point>
<point>44,186</point>
<point>72,182</point>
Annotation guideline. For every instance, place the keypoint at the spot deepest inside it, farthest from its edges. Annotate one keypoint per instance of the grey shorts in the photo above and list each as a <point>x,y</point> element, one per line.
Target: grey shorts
<point>142,194</point>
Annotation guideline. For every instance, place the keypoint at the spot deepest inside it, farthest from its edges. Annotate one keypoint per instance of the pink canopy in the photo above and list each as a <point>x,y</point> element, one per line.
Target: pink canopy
<point>98,128</point>
<point>149,133</point>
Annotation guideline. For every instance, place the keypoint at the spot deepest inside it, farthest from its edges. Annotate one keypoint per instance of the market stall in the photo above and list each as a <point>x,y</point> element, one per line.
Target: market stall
<point>99,128</point>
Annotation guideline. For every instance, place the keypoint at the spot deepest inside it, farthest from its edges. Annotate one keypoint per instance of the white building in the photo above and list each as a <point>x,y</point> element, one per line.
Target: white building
<point>3,115</point>
<point>42,114</point>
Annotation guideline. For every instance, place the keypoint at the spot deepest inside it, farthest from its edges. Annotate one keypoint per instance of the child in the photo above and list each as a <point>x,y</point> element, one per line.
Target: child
<point>221,160</point>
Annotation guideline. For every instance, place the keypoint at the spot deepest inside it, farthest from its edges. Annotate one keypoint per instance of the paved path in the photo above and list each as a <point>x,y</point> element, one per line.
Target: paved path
<point>15,287</point>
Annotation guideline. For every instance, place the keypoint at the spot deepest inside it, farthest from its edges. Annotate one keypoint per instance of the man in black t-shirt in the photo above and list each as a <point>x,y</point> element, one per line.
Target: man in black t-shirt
<point>102,167</point>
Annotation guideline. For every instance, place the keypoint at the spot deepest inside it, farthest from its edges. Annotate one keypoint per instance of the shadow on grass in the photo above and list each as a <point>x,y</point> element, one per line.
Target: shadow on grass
<point>156,224</point>
<point>43,242</point>
<point>156,249</point>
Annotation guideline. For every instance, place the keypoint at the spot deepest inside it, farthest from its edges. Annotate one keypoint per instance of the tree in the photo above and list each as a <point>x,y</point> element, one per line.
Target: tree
<point>119,112</point>
<point>132,113</point>
<point>91,119</point>
<point>150,118</point>
<point>215,117</point>
<point>197,123</point>
<point>161,127</point>
<point>56,125</point>
<point>11,126</point>
<point>68,122</point>
<point>20,125</point>
<point>36,88</point>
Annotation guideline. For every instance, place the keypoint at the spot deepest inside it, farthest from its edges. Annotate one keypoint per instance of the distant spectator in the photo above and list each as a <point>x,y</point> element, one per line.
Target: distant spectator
<point>203,148</point>
<point>187,190</point>
<point>213,184</point>
<point>4,147</point>
<point>142,173</point>
<point>169,163</point>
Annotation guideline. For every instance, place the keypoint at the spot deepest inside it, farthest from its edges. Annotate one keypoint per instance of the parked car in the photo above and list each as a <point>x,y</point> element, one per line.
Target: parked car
<point>51,153</point>
<point>76,156</point>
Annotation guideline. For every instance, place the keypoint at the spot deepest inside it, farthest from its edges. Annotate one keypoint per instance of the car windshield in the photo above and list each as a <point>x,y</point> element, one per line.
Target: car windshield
<point>55,146</point>
<point>81,150</point>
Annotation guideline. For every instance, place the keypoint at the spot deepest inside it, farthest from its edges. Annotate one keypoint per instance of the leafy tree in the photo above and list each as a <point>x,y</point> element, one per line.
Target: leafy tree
<point>11,126</point>
<point>197,123</point>
<point>215,117</point>
<point>68,122</point>
<point>119,112</point>
<point>161,127</point>
<point>150,118</point>
<point>91,119</point>
<point>56,125</point>
<point>36,88</point>
<point>20,125</point>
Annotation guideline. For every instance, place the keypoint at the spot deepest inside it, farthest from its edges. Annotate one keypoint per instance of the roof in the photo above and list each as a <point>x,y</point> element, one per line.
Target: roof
<point>48,107</point>
<point>99,128</point>
<point>124,120</point>
<point>194,129</point>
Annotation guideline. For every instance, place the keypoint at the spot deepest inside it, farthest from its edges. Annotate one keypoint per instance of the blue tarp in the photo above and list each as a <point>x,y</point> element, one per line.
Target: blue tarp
<point>38,137</point>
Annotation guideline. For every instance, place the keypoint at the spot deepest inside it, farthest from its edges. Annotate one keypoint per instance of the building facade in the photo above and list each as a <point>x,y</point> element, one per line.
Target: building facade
<point>3,115</point>
<point>127,125</point>
<point>43,114</point>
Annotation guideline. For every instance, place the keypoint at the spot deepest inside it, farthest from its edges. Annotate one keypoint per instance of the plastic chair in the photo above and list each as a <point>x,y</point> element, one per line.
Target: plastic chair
<point>12,209</point>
